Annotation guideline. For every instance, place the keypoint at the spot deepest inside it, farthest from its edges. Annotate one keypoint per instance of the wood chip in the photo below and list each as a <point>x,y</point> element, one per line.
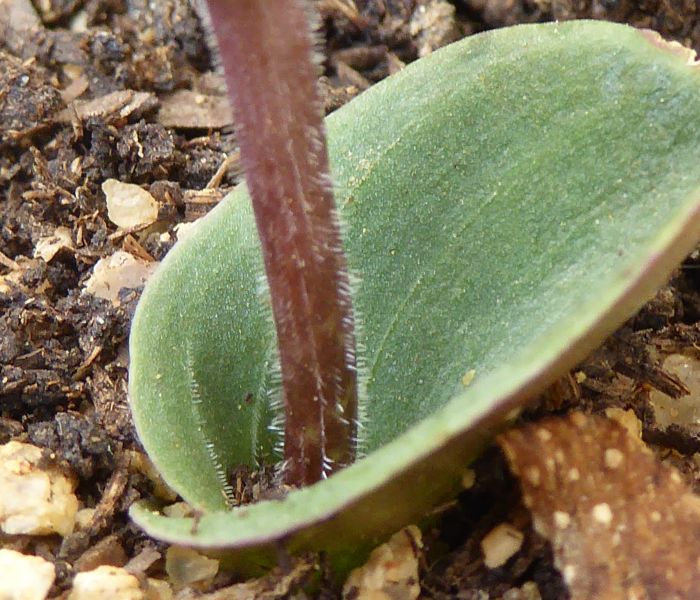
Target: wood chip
<point>107,551</point>
<point>622,524</point>
<point>48,247</point>
<point>143,561</point>
<point>349,76</point>
<point>347,9</point>
<point>186,109</point>
<point>360,57</point>
<point>112,106</point>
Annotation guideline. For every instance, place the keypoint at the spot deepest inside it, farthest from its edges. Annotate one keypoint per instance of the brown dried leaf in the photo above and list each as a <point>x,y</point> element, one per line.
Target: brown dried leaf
<point>622,524</point>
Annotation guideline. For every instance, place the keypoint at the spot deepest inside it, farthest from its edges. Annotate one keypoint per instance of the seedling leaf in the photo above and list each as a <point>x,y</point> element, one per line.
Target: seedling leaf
<point>509,200</point>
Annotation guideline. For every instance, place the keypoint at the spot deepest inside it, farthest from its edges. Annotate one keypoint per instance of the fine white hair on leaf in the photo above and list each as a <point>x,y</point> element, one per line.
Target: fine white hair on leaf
<point>362,397</point>
<point>262,288</point>
<point>280,470</point>
<point>276,405</point>
<point>196,404</point>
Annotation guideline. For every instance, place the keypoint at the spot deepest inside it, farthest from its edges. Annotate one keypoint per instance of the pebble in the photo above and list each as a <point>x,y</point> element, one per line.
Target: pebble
<point>185,566</point>
<point>391,571</point>
<point>31,578</point>
<point>106,583</point>
<point>34,500</point>
<point>117,271</point>
<point>129,205</point>
<point>499,544</point>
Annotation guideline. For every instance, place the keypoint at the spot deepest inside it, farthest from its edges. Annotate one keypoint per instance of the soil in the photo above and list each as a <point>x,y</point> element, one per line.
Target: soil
<point>99,89</point>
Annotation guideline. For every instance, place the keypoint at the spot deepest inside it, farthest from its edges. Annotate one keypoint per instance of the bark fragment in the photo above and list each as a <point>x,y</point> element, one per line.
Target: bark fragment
<point>622,524</point>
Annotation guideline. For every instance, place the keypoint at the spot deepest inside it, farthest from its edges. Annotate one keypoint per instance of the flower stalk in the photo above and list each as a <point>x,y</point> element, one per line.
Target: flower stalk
<point>267,52</point>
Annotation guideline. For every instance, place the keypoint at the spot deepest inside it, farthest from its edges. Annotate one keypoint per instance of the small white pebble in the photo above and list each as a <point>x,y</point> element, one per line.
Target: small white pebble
<point>129,205</point>
<point>391,570</point>
<point>33,500</point>
<point>106,583</point>
<point>602,513</point>
<point>24,577</point>
<point>499,544</point>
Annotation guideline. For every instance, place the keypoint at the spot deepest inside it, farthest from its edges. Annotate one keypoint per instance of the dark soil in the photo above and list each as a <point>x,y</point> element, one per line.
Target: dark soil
<point>99,89</point>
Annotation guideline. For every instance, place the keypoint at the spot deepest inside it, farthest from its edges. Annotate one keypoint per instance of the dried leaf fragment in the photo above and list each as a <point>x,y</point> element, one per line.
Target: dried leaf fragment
<point>622,524</point>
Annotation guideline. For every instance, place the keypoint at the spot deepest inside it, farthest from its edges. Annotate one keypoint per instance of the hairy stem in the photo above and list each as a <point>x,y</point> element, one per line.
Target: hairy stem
<point>267,54</point>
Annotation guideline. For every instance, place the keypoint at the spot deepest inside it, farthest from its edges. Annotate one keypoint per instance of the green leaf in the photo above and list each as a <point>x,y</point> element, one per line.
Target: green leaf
<point>508,201</point>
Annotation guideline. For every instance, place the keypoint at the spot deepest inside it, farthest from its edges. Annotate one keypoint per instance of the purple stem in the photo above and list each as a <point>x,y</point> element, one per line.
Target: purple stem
<point>267,53</point>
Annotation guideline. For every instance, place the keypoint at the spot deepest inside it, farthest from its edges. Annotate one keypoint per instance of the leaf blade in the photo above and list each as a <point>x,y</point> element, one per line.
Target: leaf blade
<point>529,310</point>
